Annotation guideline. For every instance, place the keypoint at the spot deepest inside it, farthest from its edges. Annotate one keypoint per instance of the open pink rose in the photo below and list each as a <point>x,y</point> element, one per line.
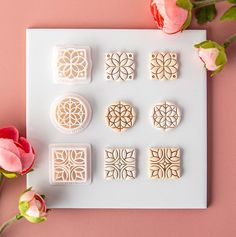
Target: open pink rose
<point>16,154</point>
<point>32,206</point>
<point>170,17</point>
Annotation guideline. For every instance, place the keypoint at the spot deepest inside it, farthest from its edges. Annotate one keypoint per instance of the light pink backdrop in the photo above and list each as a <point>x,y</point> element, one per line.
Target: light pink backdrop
<point>216,221</point>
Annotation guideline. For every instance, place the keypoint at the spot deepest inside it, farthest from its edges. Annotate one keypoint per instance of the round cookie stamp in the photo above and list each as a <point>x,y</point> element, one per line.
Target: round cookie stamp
<point>166,116</point>
<point>71,113</point>
<point>120,116</point>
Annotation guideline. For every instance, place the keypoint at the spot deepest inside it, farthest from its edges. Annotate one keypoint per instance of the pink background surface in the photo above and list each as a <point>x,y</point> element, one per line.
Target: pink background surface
<point>218,220</point>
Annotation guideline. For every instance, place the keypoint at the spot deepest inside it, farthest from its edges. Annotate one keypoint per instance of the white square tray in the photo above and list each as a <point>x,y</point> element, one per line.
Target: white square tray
<point>189,92</point>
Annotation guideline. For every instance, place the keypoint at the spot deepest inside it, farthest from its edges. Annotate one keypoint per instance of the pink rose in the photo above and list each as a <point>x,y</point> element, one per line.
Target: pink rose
<point>213,55</point>
<point>32,206</point>
<point>16,154</point>
<point>171,16</point>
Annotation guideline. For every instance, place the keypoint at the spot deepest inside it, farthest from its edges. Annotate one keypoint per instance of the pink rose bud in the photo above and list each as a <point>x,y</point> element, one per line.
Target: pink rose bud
<point>213,55</point>
<point>171,16</point>
<point>16,154</point>
<point>32,206</point>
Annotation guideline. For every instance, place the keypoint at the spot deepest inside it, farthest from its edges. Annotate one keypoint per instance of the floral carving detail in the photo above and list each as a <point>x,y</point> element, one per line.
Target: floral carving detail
<point>120,163</point>
<point>69,165</point>
<point>73,64</point>
<point>120,116</point>
<point>166,116</point>
<point>120,66</point>
<point>164,66</point>
<point>164,163</point>
<point>72,113</point>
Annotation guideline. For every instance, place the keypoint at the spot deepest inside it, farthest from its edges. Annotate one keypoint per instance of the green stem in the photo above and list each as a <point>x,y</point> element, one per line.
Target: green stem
<point>1,180</point>
<point>9,222</point>
<point>230,40</point>
<point>204,3</point>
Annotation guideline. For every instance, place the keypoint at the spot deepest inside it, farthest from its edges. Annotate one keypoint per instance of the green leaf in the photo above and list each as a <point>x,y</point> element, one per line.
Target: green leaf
<point>7,174</point>
<point>43,196</point>
<point>185,4</point>
<point>23,207</point>
<point>231,1</point>
<point>230,14</point>
<point>188,21</point>
<point>35,219</point>
<point>19,216</point>
<point>205,14</point>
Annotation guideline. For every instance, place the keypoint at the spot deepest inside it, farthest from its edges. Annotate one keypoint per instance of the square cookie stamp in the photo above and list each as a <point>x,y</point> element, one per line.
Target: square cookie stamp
<point>73,64</point>
<point>70,163</point>
<point>164,66</point>
<point>120,163</point>
<point>119,66</point>
<point>164,163</point>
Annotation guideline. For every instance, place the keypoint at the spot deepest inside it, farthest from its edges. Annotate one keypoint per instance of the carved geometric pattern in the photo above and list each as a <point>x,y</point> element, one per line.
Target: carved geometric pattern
<point>73,64</point>
<point>69,165</point>
<point>120,116</point>
<point>164,163</point>
<point>166,116</point>
<point>119,66</point>
<point>164,66</point>
<point>72,113</point>
<point>120,163</point>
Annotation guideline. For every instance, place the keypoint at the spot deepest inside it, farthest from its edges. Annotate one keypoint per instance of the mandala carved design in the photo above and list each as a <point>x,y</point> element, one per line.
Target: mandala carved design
<point>72,113</point>
<point>120,163</point>
<point>119,66</point>
<point>73,64</point>
<point>164,66</point>
<point>164,163</point>
<point>166,116</point>
<point>69,165</point>
<point>120,116</point>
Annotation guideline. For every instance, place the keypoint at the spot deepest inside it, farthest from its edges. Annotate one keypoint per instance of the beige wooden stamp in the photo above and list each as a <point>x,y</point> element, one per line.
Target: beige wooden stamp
<point>120,116</point>
<point>119,66</point>
<point>166,116</point>
<point>164,66</point>
<point>120,163</point>
<point>164,163</point>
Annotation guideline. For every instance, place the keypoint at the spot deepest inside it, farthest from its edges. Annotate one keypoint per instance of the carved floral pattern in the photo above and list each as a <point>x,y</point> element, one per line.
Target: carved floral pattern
<point>72,113</point>
<point>69,165</point>
<point>166,116</point>
<point>119,66</point>
<point>164,66</point>
<point>164,163</point>
<point>120,163</point>
<point>120,116</point>
<point>72,64</point>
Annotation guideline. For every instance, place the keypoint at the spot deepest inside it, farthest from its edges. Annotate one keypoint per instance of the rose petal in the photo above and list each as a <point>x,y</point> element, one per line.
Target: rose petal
<point>9,161</point>
<point>9,145</point>
<point>27,196</point>
<point>27,161</point>
<point>33,211</point>
<point>25,144</point>
<point>10,133</point>
<point>42,203</point>
<point>209,56</point>
<point>173,15</point>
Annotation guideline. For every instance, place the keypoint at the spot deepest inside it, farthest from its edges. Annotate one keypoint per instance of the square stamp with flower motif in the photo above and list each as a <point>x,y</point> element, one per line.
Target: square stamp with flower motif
<point>70,163</point>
